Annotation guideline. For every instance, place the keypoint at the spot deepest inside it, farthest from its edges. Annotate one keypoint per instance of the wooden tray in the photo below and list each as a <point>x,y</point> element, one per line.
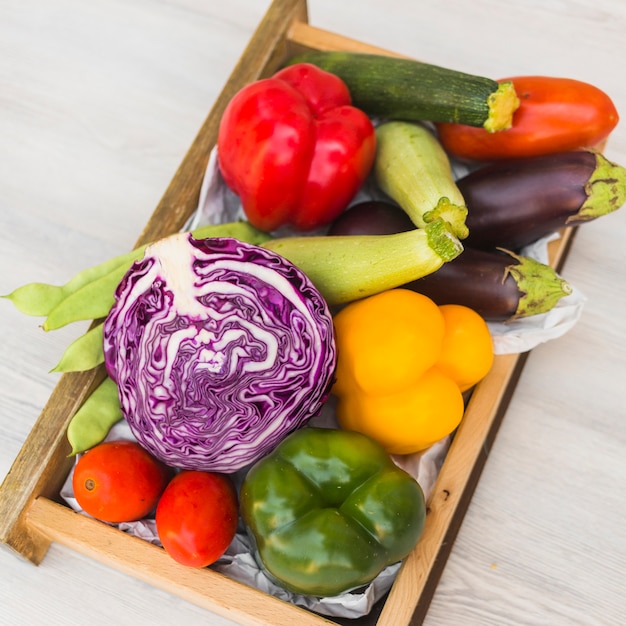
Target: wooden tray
<point>32,515</point>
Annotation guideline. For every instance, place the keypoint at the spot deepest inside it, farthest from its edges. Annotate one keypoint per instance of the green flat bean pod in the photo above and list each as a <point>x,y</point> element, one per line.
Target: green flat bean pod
<point>92,301</point>
<point>84,353</point>
<point>42,299</point>
<point>89,295</point>
<point>39,299</point>
<point>94,419</point>
<point>36,299</point>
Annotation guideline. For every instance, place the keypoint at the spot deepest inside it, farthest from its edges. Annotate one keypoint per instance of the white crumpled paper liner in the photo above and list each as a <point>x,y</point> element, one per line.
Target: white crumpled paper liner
<point>218,204</point>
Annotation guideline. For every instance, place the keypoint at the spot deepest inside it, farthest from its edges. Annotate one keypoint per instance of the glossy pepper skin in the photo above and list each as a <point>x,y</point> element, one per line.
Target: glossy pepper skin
<point>389,384</point>
<point>294,148</point>
<point>555,114</point>
<point>328,510</point>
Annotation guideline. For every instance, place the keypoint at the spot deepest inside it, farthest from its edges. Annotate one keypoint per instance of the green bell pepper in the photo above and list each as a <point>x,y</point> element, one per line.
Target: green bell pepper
<point>328,510</point>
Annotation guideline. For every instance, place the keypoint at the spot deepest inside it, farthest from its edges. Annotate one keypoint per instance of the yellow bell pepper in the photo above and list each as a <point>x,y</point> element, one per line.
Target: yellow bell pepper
<point>398,378</point>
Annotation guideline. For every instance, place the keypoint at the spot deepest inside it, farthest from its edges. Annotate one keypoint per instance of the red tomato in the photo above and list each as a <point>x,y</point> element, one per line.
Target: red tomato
<point>119,481</point>
<point>196,517</point>
<point>555,115</point>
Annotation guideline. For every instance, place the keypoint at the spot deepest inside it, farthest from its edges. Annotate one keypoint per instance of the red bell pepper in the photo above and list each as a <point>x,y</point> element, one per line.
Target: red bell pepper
<point>294,148</point>
<point>555,115</point>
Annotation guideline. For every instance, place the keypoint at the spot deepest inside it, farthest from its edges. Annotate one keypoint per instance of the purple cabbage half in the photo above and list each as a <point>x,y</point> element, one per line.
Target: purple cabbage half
<point>219,350</point>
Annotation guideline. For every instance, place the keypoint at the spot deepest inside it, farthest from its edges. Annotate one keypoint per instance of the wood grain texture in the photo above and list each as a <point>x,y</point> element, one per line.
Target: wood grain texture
<point>92,135</point>
<point>151,564</point>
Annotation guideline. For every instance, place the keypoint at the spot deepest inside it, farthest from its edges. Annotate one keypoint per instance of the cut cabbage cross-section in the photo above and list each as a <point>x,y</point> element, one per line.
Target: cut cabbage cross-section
<point>219,349</point>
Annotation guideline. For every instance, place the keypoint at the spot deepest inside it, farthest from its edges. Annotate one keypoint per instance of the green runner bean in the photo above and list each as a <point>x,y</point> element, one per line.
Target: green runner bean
<point>243,231</point>
<point>94,299</point>
<point>92,422</point>
<point>90,295</point>
<point>84,353</point>
<point>41,299</point>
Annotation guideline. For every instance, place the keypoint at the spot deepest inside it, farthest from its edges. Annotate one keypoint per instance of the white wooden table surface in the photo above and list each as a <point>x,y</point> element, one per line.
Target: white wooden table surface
<point>98,103</point>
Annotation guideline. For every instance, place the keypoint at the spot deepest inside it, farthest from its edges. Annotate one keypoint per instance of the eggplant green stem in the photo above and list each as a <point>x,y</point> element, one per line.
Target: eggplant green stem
<point>540,285</point>
<point>605,189</point>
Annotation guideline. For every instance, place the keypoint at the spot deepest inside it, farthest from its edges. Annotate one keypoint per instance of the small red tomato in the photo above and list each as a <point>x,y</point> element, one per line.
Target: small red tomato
<point>196,517</point>
<point>119,481</point>
<point>555,114</point>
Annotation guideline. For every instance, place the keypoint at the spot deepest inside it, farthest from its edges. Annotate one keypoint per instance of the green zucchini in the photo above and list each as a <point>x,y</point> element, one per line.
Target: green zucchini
<point>349,267</point>
<point>412,168</point>
<point>405,89</point>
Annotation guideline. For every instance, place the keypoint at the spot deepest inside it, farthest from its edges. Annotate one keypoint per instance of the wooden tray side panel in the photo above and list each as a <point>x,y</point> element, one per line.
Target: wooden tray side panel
<point>443,505</point>
<point>448,539</point>
<point>306,38</point>
<point>416,582</point>
<point>41,465</point>
<point>147,562</point>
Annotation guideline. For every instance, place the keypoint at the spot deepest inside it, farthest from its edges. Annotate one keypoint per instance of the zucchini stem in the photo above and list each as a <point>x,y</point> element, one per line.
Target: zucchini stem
<point>501,103</point>
<point>412,168</point>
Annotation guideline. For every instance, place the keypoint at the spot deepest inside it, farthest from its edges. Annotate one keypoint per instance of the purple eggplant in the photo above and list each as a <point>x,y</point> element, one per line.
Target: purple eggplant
<point>499,285</point>
<point>515,202</point>
<point>371,217</point>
